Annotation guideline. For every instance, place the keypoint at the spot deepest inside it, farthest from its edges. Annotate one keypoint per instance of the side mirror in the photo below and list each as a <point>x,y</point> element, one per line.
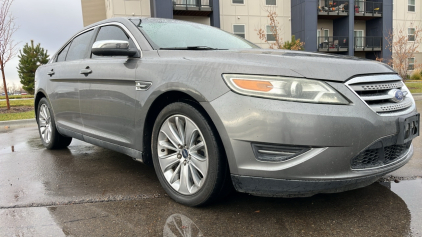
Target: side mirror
<point>112,48</point>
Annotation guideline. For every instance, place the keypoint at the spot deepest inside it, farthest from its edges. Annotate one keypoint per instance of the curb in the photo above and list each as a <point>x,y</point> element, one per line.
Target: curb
<point>17,123</point>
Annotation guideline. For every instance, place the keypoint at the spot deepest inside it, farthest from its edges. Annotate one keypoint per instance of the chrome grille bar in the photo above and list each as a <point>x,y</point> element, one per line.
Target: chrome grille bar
<point>378,92</point>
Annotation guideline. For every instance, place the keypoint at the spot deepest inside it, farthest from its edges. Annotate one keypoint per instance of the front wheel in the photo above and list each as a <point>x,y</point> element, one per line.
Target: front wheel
<point>188,158</point>
<point>50,137</point>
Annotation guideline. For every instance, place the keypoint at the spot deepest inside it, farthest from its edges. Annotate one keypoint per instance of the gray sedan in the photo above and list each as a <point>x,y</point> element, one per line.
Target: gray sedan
<point>212,111</point>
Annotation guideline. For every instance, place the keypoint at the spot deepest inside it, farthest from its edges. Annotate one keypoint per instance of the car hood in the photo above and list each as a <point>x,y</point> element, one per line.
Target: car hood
<point>331,67</point>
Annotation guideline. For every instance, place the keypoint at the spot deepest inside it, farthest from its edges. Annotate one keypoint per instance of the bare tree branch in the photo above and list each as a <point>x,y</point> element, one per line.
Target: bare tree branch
<point>8,47</point>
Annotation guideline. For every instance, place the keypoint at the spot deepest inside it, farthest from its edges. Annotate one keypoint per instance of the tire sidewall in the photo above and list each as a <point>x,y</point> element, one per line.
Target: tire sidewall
<point>53,123</point>
<point>214,153</point>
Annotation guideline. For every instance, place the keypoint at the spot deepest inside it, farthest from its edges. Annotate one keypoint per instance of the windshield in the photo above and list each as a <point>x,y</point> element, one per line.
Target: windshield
<point>173,35</point>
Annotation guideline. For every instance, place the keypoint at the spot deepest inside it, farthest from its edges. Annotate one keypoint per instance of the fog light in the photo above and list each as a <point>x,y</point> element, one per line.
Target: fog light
<point>276,153</point>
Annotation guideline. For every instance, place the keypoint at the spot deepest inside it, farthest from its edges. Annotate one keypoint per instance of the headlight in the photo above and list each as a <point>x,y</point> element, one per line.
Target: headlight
<point>284,88</point>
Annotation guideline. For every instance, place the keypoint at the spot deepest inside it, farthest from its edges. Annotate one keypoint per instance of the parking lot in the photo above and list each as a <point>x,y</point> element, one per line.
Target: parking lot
<point>86,190</point>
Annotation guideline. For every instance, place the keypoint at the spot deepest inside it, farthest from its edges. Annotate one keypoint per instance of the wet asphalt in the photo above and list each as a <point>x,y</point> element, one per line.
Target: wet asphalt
<point>86,190</point>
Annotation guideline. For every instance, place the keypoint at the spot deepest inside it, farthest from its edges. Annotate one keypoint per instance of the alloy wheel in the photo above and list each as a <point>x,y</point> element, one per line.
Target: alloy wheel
<point>45,126</point>
<point>182,154</point>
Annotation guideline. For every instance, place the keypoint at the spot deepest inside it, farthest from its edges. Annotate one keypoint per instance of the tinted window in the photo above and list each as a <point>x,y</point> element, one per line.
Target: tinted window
<point>182,34</point>
<point>113,33</point>
<point>271,2</point>
<point>62,55</point>
<point>238,1</point>
<point>80,45</point>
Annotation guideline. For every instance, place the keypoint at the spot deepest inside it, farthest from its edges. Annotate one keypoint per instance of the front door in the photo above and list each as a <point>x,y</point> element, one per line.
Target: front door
<point>107,93</point>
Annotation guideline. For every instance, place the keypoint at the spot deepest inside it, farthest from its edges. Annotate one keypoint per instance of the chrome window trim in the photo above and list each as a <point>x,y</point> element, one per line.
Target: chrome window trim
<point>381,78</point>
<point>53,59</point>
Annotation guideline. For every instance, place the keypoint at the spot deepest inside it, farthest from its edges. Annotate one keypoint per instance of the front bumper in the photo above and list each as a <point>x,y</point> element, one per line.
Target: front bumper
<point>304,188</point>
<point>338,132</point>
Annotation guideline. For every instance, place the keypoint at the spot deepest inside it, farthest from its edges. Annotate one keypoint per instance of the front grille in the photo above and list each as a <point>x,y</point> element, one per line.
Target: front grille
<point>378,92</point>
<point>376,156</point>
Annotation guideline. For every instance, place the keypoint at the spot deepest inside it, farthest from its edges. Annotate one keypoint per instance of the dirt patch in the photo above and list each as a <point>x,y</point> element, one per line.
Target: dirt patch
<point>19,109</point>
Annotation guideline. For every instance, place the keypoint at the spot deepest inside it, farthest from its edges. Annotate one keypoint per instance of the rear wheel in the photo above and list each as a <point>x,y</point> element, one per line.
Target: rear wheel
<point>50,137</point>
<point>188,158</point>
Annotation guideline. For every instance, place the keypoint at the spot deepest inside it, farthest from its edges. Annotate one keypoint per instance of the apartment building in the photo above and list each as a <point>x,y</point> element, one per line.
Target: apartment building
<point>348,27</point>
<point>407,16</point>
<point>351,27</point>
<point>242,17</point>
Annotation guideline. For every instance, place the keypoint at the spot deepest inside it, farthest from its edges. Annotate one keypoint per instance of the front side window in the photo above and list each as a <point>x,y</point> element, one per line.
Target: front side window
<point>238,1</point>
<point>411,64</point>
<point>112,33</point>
<point>80,46</point>
<point>411,5</point>
<point>270,33</point>
<point>411,34</point>
<point>173,34</point>
<point>271,2</point>
<point>239,30</point>
<point>62,55</point>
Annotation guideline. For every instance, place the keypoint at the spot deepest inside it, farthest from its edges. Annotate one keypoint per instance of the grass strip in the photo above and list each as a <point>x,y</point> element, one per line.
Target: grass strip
<point>415,87</point>
<point>17,116</point>
<point>16,103</point>
<point>3,97</point>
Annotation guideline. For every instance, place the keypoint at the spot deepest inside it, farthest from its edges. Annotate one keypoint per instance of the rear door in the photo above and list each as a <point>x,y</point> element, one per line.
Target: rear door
<point>107,92</point>
<point>64,81</point>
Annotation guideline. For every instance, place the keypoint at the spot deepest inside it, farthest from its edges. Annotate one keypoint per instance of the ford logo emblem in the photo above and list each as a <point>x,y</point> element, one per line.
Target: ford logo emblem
<point>396,95</point>
<point>185,153</point>
<point>399,95</point>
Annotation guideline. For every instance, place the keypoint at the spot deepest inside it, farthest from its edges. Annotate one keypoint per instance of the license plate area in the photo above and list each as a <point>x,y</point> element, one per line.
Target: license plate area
<point>408,128</point>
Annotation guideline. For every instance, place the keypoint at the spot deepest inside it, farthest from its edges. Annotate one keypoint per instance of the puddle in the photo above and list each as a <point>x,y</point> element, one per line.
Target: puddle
<point>411,193</point>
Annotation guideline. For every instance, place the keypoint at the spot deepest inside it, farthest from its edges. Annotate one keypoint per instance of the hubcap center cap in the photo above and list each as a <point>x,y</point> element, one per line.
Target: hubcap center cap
<point>185,153</point>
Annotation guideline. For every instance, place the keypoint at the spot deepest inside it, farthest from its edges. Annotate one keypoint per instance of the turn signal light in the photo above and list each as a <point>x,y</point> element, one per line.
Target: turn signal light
<point>253,85</point>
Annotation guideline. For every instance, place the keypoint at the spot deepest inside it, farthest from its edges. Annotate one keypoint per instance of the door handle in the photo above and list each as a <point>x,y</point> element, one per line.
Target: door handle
<point>86,71</point>
<point>51,73</point>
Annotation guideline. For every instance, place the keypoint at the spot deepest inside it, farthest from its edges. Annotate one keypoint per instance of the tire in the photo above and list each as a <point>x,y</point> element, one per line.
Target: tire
<point>49,135</point>
<point>195,173</point>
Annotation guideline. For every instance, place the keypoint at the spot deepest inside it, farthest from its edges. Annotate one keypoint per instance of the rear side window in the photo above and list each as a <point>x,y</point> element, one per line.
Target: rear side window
<point>62,55</point>
<point>80,45</point>
<point>112,33</point>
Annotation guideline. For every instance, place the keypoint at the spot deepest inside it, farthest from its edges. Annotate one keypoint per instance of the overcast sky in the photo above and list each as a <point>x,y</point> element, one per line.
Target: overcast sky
<point>49,22</point>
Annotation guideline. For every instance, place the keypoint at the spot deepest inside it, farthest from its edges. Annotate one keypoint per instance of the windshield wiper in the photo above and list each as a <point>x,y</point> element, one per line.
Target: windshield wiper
<point>191,48</point>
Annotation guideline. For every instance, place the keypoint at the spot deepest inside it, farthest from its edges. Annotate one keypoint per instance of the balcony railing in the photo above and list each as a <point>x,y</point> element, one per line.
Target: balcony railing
<point>333,43</point>
<point>368,43</point>
<point>368,8</point>
<point>333,8</point>
<point>195,5</point>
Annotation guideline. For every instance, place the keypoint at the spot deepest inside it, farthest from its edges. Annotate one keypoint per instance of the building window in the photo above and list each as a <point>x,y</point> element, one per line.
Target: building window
<point>411,62</point>
<point>238,1</point>
<point>271,2</point>
<point>411,5</point>
<point>411,34</point>
<point>270,33</point>
<point>239,30</point>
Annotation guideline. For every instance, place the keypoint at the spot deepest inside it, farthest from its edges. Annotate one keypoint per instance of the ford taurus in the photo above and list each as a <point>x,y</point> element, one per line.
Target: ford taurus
<point>211,111</point>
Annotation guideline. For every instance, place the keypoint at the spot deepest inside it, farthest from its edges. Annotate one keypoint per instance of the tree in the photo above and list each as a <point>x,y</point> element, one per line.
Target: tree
<point>403,43</point>
<point>7,45</point>
<point>30,59</point>
<point>295,44</point>
<point>276,31</point>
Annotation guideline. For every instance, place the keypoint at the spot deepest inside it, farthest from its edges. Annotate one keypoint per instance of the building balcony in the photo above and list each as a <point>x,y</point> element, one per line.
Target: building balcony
<point>332,8</point>
<point>368,43</point>
<point>333,43</point>
<point>192,7</point>
<point>368,9</point>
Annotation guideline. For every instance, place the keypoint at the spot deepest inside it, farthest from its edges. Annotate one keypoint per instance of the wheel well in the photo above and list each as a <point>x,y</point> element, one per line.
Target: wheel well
<point>155,108</point>
<point>38,97</point>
